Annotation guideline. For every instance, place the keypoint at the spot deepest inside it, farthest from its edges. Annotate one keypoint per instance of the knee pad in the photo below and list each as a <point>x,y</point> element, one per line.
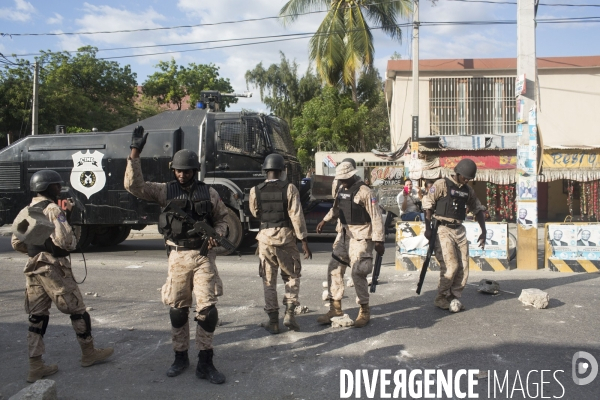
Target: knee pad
<point>36,319</point>
<point>179,316</point>
<point>211,317</point>
<point>88,324</point>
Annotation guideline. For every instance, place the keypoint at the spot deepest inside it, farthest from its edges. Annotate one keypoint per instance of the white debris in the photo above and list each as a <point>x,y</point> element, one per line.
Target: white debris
<point>325,295</point>
<point>325,284</point>
<point>350,282</point>
<point>341,322</point>
<point>534,297</point>
<point>133,266</point>
<point>301,310</point>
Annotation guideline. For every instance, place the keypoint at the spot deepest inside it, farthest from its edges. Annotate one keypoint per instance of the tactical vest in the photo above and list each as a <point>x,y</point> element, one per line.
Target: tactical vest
<point>195,203</point>
<point>272,201</point>
<point>454,204</point>
<point>48,246</point>
<point>350,212</point>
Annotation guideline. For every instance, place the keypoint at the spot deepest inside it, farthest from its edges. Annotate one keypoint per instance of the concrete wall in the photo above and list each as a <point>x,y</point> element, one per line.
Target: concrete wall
<point>567,115</point>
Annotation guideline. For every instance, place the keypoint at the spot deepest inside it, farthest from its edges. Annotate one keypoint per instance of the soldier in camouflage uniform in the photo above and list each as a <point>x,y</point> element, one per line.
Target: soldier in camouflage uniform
<point>189,270</point>
<point>361,231</point>
<point>277,204</point>
<point>447,201</point>
<point>50,279</point>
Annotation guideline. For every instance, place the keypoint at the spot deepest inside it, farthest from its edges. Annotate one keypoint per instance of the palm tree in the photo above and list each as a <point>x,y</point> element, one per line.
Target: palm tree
<point>343,44</point>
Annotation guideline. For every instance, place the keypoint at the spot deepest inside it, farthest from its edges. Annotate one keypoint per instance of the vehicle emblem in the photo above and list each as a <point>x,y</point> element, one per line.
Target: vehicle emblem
<point>87,175</point>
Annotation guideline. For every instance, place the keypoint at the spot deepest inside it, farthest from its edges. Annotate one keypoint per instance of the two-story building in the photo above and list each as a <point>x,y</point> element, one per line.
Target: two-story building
<point>468,108</point>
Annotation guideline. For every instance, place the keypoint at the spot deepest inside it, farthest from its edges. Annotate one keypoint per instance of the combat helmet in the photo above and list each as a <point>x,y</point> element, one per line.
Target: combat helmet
<point>274,161</point>
<point>185,159</point>
<point>467,168</point>
<point>42,179</point>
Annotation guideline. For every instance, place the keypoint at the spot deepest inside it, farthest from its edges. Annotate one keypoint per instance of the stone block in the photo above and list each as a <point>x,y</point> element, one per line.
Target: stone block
<point>341,322</point>
<point>534,297</point>
<point>44,389</point>
<point>32,227</point>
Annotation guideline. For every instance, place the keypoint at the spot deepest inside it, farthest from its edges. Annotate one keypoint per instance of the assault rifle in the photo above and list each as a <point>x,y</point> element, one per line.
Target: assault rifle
<point>379,258</point>
<point>430,250</point>
<point>202,229</point>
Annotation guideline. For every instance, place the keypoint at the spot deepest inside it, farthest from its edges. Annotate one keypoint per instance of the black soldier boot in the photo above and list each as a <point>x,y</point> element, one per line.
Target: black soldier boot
<point>290,320</point>
<point>272,325</point>
<point>181,362</point>
<point>206,369</point>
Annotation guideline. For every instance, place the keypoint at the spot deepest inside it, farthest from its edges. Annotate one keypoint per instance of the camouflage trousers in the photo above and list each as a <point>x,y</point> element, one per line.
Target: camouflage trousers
<point>357,254</point>
<point>191,273</point>
<point>47,284</point>
<point>452,252</point>
<point>286,257</point>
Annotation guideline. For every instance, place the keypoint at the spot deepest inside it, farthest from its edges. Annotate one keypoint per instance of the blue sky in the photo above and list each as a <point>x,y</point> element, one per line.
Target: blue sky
<point>22,16</point>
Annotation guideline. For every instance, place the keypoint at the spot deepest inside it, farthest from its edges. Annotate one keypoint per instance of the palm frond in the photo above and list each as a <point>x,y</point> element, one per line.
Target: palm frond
<point>292,8</point>
<point>359,43</point>
<point>385,14</point>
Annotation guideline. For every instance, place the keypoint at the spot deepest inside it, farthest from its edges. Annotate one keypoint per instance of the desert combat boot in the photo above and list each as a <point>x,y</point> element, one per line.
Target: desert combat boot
<point>335,310</point>
<point>91,355</point>
<point>364,315</point>
<point>290,320</point>
<point>272,325</point>
<point>38,370</point>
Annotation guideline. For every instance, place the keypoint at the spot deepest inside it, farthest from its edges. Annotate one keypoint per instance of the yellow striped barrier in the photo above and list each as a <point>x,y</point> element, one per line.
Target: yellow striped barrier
<point>495,259</point>
<point>572,246</point>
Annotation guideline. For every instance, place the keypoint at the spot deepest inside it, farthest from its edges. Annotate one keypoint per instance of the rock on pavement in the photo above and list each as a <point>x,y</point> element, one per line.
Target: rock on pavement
<point>534,297</point>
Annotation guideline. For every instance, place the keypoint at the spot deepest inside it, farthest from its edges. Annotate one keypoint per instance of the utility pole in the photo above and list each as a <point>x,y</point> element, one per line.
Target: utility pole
<point>527,244</point>
<point>34,109</point>
<point>415,72</point>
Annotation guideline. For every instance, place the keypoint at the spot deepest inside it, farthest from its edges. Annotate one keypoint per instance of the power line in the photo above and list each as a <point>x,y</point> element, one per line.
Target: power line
<point>514,3</point>
<point>295,36</point>
<point>183,26</point>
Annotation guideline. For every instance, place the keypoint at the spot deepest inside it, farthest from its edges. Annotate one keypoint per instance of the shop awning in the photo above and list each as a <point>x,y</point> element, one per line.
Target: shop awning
<point>497,176</point>
<point>582,165</point>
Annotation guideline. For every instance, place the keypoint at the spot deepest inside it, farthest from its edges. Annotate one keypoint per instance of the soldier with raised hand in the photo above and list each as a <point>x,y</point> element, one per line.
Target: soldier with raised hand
<point>447,201</point>
<point>50,280</point>
<point>361,231</point>
<point>189,271</point>
<point>277,204</point>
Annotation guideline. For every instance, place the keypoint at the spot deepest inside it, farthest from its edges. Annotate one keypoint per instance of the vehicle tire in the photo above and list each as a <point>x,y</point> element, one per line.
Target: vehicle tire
<point>235,233</point>
<point>111,236</point>
<point>85,235</point>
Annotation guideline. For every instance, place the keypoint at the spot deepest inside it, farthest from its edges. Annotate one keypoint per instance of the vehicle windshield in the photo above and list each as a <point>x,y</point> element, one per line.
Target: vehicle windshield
<point>280,137</point>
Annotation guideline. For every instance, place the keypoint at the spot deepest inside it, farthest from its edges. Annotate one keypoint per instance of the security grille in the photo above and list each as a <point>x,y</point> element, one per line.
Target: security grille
<point>280,136</point>
<point>242,137</point>
<point>10,176</point>
<point>231,137</point>
<point>472,106</point>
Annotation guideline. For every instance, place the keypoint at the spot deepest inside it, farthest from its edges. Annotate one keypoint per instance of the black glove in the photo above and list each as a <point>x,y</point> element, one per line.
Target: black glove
<point>138,139</point>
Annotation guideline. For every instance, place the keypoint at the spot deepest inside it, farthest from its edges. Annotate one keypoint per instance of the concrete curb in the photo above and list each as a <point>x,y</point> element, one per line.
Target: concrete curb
<point>44,389</point>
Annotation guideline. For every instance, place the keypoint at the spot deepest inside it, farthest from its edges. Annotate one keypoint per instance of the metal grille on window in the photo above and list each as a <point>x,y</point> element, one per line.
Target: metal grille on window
<point>254,140</point>
<point>10,176</point>
<point>472,106</point>
<point>231,137</point>
<point>281,139</point>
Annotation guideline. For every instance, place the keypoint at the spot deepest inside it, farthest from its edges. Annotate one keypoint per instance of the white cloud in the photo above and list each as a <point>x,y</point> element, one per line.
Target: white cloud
<point>22,11</point>
<point>56,20</point>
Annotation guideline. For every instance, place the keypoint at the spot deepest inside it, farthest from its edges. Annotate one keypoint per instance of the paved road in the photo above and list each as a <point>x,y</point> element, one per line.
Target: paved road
<point>407,333</point>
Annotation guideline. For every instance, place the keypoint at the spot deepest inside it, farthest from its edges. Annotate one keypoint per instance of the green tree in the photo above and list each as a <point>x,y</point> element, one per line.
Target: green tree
<point>172,83</point>
<point>332,121</point>
<point>75,90</point>
<point>281,90</point>
<point>343,43</point>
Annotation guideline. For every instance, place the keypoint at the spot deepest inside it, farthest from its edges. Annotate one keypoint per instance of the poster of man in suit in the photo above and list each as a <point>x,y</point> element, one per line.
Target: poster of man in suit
<point>588,242</point>
<point>563,239</point>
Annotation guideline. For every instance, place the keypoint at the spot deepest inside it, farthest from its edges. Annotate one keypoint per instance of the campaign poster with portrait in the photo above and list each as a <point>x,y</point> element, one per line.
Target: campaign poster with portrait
<point>495,242</point>
<point>409,238</point>
<point>526,187</point>
<point>527,213</point>
<point>588,242</point>
<point>563,240</point>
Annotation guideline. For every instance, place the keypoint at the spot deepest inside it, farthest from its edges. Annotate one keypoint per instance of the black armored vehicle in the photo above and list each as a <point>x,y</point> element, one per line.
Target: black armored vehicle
<point>231,145</point>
